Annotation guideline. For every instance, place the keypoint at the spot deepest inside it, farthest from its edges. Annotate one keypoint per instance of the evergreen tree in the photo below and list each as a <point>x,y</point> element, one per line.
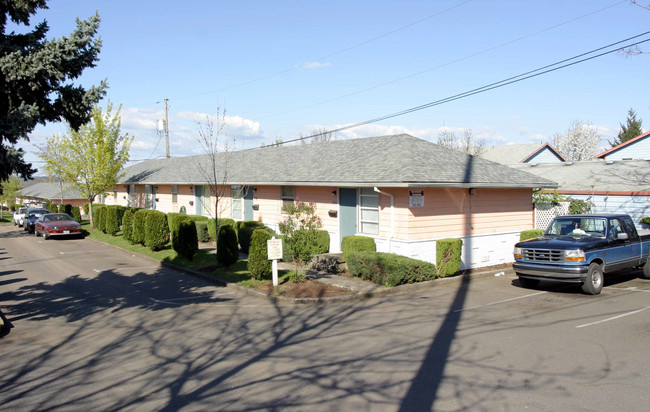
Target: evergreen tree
<point>630,130</point>
<point>36,79</point>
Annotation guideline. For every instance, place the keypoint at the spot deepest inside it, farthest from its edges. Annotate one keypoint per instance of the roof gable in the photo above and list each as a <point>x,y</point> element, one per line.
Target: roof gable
<point>623,146</point>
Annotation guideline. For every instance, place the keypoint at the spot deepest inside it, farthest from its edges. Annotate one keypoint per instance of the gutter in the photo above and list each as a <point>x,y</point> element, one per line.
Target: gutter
<point>392,218</point>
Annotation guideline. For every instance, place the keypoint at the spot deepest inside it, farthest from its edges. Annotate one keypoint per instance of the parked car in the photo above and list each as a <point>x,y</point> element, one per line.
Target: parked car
<point>31,217</point>
<point>19,216</point>
<point>57,224</point>
<point>581,249</point>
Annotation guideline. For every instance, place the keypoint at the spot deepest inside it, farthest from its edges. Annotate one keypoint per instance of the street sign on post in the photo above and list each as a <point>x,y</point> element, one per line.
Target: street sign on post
<point>274,253</point>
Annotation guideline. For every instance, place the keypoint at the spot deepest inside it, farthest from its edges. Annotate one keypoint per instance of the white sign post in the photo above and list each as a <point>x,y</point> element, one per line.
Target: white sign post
<point>274,253</point>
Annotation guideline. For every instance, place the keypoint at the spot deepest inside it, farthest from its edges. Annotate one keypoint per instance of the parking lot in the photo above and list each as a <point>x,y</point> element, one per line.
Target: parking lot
<point>100,328</point>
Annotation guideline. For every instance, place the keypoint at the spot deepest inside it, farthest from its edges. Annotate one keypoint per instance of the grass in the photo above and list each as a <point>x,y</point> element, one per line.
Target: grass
<point>237,273</point>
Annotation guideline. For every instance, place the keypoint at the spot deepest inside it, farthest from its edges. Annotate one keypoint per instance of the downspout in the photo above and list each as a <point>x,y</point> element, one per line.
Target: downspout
<point>392,218</point>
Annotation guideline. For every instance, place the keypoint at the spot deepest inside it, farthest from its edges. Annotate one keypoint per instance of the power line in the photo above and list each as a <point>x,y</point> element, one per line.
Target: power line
<point>505,82</point>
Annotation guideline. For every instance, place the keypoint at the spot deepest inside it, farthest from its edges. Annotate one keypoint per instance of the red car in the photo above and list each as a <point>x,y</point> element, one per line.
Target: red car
<point>57,224</point>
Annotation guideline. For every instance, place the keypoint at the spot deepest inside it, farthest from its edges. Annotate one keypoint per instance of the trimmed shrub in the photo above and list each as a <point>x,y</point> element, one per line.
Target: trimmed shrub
<point>127,225</point>
<point>67,208</point>
<point>579,207</point>
<point>184,240</point>
<point>138,226</point>
<point>86,208</point>
<point>227,249</point>
<point>530,234</point>
<point>156,230</point>
<point>100,218</point>
<point>53,208</point>
<point>322,242</point>
<point>198,218</point>
<point>389,269</point>
<point>646,220</point>
<point>448,252</point>
<point>202,230</point>
<point>357,244</point>
<point>212,226</point>
<point>111,220</point>
<point>76,214</point>
<point>245,230</point>
<point>258,259</point>
<point>171,221</point>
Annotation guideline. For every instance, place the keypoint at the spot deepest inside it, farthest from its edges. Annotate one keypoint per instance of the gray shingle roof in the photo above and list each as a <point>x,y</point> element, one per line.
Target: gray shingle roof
<point>397,160</point>
<point>49,191</point>
<point>596,175</point>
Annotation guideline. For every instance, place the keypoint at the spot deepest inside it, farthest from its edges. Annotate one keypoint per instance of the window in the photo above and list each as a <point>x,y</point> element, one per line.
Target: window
<point>368,211</point>
<point>235,194</point>
<point>174,193</point>
<point>288,195</point>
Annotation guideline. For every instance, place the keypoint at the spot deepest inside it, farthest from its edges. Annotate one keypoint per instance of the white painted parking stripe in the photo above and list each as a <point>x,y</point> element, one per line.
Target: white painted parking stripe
<point>174,300</point>
<point>613,317</point>
<point>500,301</point>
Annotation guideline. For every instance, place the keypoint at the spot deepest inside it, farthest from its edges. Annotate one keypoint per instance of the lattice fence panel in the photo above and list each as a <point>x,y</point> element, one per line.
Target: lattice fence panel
<point>546,211</point>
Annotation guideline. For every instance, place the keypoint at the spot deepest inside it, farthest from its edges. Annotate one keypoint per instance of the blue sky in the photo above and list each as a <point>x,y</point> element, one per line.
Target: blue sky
<point>282,68</point>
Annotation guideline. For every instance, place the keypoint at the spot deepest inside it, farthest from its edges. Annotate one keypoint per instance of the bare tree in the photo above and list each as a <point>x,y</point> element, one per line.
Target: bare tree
<point>636,50</point>
<point>580,142</point>
<point>466,144</point>
<point>214,165</point>
<point>318,135</point>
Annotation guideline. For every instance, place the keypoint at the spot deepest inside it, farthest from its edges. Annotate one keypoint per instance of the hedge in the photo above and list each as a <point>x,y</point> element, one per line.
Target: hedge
<point>67,208</point>
<point>201,227</point>
<point>389,269</point>
<point>448,253</point>
<point>127,225</point>
<point>258,259</point>
<point>171,221</point>
<point>227,248</point>
<point>357,244</point>
<point>138,226</point>
<point>99,218</point>
<point>156,230</point>
<point>212,226</point>
<point>76,214</point>
<point>530,234</point>
<point>184,239</point>
<point>245,230</point>
<point>111,220</point>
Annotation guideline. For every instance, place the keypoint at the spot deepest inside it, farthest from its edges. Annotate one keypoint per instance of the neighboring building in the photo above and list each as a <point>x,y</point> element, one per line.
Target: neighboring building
<point>49,192</point>
<point>610,186</point>
<point>403,191</point>
<point>532,153</point>
<point>637,148</point>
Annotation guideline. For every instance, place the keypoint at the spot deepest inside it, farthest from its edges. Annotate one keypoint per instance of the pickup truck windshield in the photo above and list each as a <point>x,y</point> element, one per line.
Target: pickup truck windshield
<point>573,226</point>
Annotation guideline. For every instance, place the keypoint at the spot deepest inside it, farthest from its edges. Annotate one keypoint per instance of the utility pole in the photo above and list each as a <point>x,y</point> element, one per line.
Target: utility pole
<point>166,130</point>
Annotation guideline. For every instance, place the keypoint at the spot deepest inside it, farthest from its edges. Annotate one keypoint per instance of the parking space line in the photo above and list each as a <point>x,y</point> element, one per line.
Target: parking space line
<point>613,318</point>
<point>174,300</point>
<point>500,301</point>
<point>126,268</point>
<point>631,288</point>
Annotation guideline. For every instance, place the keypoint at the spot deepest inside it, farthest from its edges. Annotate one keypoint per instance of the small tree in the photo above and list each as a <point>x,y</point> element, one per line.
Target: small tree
<point>184,237</point>
<point>300,230</point>
<point>630,130</point>
<point>10,190</point>
<point>258,260</point>
<point>467,144</point>
<point>580,142</point>
<point>228,250</point>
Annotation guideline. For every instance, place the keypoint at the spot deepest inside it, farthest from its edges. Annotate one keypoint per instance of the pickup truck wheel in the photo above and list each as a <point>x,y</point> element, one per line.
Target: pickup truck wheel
<point>528,283</point>
<point>646,269</point>
<point>594,280</point>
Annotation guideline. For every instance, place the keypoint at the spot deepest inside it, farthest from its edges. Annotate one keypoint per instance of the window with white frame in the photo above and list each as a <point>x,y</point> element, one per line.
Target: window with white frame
<point>236,195</point>
<point>368,211</point>
<point>288,195</point>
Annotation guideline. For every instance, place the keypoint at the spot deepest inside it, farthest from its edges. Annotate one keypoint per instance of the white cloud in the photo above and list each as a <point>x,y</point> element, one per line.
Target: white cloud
<point>315,65</point>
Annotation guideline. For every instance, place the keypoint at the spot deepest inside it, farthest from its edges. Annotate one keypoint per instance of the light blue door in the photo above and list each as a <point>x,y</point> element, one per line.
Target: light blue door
<point>248,203</point>
<point>198,200</point>
<point>348,212</point>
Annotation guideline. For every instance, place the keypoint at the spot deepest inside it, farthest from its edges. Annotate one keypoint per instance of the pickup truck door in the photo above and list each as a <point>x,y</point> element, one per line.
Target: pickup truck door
<point>623,251</point>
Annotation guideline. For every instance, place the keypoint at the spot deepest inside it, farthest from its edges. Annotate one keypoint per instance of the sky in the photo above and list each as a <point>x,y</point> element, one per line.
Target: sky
<point>281,69</point>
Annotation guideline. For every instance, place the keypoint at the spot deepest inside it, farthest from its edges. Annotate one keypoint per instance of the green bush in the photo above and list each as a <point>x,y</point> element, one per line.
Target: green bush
<point>245,230</point>
<point>322,242</point>
<point>212,226</point>
<point>67,208</point>
<point>53,208</point>
<point>100,218</point>
<point>171,221</point>
<point>184,239</point>
<point>448,253</point>
<point>127,225</point>
<point>530,234</point>
<point>202,230</point>
<point>111,220</point>
<point>646,220</point>
<point>156,230</point>
<point>138,235</point>
<point>86,208</point>
<point>227,248</point>
<point>258,259</point>
<point>357,244</point>
<point>579,207</point>
<point>389,269</point>
<point>76,214</point>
